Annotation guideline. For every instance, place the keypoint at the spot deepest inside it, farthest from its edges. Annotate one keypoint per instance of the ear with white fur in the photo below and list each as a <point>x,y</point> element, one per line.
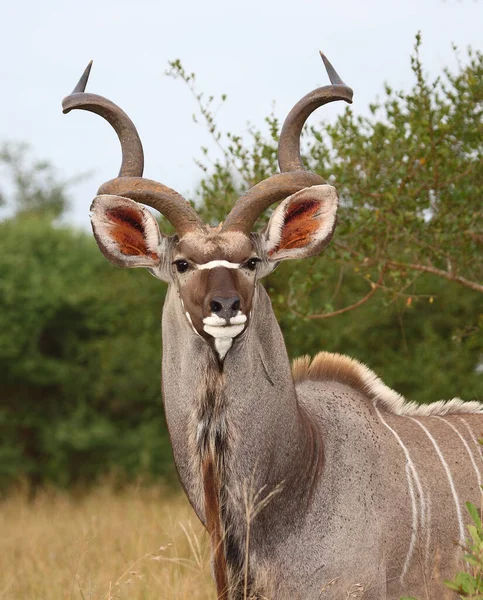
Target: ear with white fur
<point>127,233</point>
<point>303,224</point>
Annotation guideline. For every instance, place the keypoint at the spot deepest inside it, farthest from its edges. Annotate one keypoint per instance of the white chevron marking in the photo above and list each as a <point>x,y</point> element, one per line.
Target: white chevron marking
<point>465,443</point>
<point>411,474</point>
<point>448,475</point>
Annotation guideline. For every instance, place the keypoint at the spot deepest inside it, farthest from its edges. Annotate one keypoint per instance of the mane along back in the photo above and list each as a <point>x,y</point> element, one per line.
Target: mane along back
<point>327,366</point>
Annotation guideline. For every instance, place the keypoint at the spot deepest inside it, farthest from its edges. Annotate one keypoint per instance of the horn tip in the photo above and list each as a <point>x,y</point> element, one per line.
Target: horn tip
<point>331,72</point>
<point>79,88</point>
<point>82,83</point>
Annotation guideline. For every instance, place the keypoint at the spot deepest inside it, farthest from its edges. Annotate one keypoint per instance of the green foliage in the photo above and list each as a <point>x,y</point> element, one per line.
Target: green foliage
<point>410,179</point>
<point>425,350</point>
<point>469,584</point>
<point>29,186</point>
<point>79,357</point>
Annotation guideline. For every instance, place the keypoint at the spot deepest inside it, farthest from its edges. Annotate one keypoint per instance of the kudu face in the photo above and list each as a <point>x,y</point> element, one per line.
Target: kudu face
<point>215,270</point>
<point>215,275</point>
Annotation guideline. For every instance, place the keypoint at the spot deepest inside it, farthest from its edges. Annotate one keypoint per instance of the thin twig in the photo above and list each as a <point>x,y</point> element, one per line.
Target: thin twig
<point>339,284</point>
<point>207,115</point>
<point>428,186</point>
<point>340,311</point>
<point>478,287</point>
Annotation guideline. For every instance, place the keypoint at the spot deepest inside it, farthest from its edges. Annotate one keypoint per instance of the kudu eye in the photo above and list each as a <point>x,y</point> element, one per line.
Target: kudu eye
<point>181,265</point>
<point>251,264</point>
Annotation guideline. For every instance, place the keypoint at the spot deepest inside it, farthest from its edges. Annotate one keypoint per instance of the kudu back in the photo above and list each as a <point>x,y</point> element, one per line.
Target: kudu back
<point>323,483</point>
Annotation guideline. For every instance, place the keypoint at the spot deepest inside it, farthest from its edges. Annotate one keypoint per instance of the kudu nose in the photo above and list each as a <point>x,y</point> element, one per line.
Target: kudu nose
<point>225,307</point>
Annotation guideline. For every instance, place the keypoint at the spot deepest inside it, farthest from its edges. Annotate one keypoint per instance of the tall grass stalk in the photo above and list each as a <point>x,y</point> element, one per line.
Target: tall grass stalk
<point>134,544</point>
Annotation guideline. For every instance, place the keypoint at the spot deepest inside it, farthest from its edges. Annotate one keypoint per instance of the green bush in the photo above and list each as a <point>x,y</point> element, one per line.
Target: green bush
<point>79,357</point>
<point>469,584</point>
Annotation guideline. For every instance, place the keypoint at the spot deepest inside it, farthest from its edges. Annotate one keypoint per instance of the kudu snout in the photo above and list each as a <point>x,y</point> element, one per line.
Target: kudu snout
<point>226,308</point>
<point>223,298</point>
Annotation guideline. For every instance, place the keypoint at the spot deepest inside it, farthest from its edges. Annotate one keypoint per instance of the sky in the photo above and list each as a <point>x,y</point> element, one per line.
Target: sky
<point>258,53</point>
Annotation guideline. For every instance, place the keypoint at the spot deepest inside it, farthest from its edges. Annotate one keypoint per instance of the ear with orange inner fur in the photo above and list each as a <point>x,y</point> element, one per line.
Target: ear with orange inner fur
<point>127,233</point>
<point>303,224</point>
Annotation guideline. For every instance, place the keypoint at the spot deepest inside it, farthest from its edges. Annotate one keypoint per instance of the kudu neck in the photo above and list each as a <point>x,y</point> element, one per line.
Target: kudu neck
<point>265,439</point>
<point>274,434</point>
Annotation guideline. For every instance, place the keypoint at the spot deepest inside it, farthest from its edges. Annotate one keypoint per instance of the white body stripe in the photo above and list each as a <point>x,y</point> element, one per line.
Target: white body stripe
<point>428,531</point>
<point>465,443</point>
<point>448,475</point>
<point>411,474</point>
<point>473,437</point>
<point>213,264</point>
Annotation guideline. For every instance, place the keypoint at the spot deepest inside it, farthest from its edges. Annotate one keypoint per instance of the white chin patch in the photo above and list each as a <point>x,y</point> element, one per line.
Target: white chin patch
<point>223,333</point>
<point>222,346</point>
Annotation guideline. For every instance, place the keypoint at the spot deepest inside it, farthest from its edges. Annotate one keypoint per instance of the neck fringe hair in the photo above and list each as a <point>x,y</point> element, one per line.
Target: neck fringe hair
<point>327,366</point>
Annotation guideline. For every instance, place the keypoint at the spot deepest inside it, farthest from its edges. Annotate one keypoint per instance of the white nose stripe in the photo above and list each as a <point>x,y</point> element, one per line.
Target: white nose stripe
<point>218,263</point>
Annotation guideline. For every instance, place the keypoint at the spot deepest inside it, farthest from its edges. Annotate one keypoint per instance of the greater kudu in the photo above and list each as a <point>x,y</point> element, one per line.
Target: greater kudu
<point>323,483</point>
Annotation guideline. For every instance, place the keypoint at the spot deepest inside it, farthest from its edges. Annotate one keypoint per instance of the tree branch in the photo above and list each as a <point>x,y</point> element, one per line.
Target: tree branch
<point>478,287</point>
<point>374,288</point>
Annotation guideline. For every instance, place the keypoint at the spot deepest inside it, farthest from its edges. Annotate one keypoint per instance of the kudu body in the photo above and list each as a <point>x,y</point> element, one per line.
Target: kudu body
<point>323,483</point>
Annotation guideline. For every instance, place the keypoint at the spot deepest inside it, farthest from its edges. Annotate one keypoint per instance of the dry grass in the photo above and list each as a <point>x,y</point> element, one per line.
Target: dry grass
<point>130,545</point>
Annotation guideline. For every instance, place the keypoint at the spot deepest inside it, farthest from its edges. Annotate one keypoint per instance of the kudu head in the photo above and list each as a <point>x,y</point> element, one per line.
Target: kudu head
<point>215,269</point>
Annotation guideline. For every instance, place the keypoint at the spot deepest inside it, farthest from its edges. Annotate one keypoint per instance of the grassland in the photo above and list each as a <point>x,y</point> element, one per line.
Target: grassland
<point>102,545</point>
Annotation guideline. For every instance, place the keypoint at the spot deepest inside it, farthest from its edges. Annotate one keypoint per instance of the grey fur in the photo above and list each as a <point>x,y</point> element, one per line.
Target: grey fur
<point>346,497</point>
<point>355,529</point>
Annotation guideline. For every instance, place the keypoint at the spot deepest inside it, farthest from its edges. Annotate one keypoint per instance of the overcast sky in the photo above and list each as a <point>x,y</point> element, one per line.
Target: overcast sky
<point>256,52</point>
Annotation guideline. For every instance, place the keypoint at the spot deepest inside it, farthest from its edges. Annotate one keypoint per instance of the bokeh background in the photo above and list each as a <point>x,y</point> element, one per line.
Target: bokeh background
<point>208,85</point>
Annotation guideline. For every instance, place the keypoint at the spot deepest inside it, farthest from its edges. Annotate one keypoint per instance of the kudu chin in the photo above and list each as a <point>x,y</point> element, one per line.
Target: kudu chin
<point>323,483</point>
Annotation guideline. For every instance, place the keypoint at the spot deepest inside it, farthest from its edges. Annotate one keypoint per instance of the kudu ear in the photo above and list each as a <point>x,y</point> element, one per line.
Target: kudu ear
<point>302,225</point>
<point>128,234</point>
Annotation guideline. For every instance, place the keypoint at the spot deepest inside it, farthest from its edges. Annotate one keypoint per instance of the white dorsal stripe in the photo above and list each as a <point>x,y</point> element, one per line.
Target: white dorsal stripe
<point>473,437</point>
<point>338,367</point>
<point>428,532</point>
<point>465,443</point>
<point>411,474</point>
<point>213,264</point>
<point>448,475</point>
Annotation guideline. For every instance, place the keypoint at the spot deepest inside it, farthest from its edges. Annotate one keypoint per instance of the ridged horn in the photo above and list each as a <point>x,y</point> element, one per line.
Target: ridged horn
<point>172,205</point>
<point>132,150</point>
<point>289,143</point>
<point>261,196</point>
<point>130,182</point>
<point>293,176</point>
